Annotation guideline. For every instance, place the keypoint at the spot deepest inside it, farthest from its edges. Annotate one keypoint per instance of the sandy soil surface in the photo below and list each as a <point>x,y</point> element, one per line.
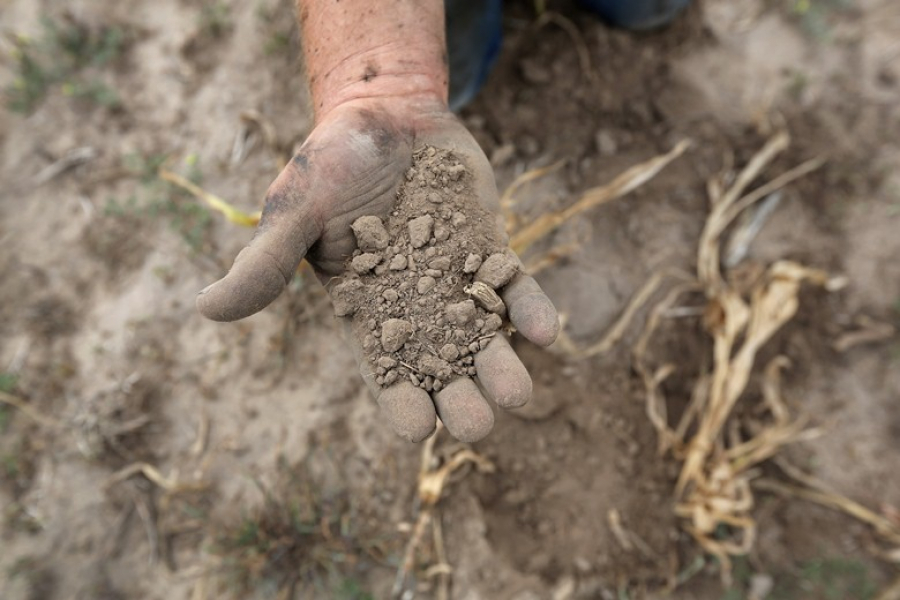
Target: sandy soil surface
<point>161,455</point>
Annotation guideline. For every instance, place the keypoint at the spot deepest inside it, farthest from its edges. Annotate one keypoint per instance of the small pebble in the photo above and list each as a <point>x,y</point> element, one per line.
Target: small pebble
<point>390,295</point>
<point>461,313</point>
<point>437,385</point>
<point>365,262</point>
<point>441,263</point>
<point>435,198</point>
<point>369,343</point>
<point>433,273</point>
<point>496,270</point>
<point>386,362</point>
<point>441,232</point>
<point>370,233</point>
<point>398,263</point>
<point>473,261</point>
<point>492,323</point>
<point>395,332</point>
<point>420,230</point>
<point>458,219</point>
<point>425,284</point>
<point>345,295</point>
<point>449,352</point>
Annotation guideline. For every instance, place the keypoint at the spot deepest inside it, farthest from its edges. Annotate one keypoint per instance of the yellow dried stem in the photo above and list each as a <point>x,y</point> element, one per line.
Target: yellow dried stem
<point>628,181</point>
<point>231,213</point>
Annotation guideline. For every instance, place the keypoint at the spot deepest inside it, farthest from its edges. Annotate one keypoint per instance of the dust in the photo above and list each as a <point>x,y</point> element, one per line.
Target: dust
<point>422,288</point>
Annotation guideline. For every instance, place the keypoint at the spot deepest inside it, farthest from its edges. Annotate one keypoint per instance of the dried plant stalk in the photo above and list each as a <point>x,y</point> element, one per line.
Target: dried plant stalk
<point>630,180</point>
<point>231,213</point>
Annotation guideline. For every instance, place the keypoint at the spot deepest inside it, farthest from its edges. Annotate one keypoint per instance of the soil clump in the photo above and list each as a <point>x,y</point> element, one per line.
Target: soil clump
<point>422,288</point>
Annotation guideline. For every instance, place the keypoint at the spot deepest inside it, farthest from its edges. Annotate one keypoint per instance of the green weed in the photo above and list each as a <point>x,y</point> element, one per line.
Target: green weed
<point>826,579</point>
<point>819,579</point>
<point>215,18</point>
<point>38,579</point>
<point>278,29</point>
<point>7,384</point>
<point>65,54</point>
<point>815,17</point>
<point>158,199</point>
<point>304,539</point>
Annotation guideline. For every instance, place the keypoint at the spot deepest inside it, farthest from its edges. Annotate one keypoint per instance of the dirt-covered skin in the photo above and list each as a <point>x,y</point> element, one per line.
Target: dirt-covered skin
<point>352,166</point>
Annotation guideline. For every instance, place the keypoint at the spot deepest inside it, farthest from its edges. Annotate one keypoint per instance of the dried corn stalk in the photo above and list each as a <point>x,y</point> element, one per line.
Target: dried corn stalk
<point>713,492</point>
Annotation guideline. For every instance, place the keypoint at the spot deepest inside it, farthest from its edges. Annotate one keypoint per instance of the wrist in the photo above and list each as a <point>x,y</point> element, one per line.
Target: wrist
<point>373,49</point>
<point>390,74</point>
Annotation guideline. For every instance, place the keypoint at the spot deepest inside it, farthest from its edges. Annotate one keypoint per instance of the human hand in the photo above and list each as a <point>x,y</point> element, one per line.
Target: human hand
<point>352,165</point>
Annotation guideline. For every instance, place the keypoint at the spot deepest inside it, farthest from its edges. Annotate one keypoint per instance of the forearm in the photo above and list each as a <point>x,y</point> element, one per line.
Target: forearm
<point>373,48</point>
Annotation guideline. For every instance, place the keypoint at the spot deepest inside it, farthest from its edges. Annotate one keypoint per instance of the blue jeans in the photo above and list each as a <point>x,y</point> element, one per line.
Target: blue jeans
<point>475,30</point>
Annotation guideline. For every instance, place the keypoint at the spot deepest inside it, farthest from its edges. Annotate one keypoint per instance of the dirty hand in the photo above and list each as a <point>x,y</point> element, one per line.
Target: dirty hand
<point>352,165</point>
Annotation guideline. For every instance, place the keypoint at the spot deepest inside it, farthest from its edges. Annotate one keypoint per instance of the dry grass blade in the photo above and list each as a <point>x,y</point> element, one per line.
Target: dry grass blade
<point>584,55</point>
<point>884,526</point>
<point>633,178</point>
<point>508,201</point>
<point>28,410</point>
<point>231,213</point>
<point>831,500</point>
<point>618,329</point>
<point>169,484</point>
<point>653,379</point>
<point>772,187</point>
<point>73,158</point>
<point>432,479</point>
<point>720,216</point>
<point>550,258</point>
<point>870,331</point>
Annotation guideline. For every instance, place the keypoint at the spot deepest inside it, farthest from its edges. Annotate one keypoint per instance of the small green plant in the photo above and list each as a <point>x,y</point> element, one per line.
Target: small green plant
<point>39,579</point>
<point>277,29</point>
<point>302,539</point>
<point>826,579</point>
<point>160,199</point>
<point>7,385</point>
<point>815,17</point>
<point>65,54</point>
<point>215,18</point>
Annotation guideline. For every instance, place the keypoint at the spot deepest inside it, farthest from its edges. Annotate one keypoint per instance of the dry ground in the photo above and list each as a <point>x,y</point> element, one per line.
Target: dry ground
<point>273,471</point>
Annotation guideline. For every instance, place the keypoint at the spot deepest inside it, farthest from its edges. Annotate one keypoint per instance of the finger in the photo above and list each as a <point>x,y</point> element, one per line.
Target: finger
<point>409,410</point>
<point>502,375</point>
<point>464,411</point>
<point>263,269</point>
<point>530,310</point>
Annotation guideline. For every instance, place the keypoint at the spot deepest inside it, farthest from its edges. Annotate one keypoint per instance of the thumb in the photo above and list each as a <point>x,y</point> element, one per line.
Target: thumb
<point>264,268</point>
